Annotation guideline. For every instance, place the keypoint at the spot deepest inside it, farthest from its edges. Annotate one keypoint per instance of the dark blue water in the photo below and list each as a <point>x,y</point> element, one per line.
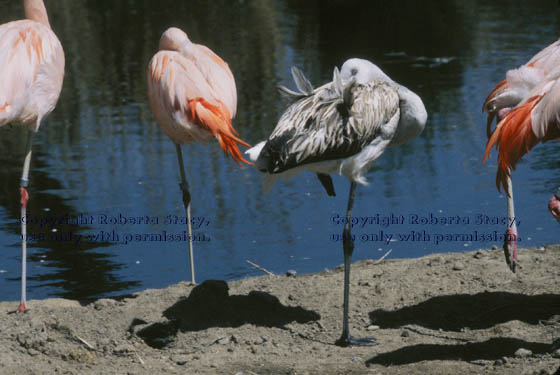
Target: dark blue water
<point>100,157</point>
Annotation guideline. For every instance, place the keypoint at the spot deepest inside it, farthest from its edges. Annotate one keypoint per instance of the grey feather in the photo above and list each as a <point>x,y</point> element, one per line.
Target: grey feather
<point>301,81</point>
<point>337,82</point>
<point>337,121</point>
<point>304,86</point>
<point>289,92</point>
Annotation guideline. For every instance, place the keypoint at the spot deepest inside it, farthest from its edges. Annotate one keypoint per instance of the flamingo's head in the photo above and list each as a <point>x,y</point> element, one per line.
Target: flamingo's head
<point>172,39</point>
<point>363,71</point>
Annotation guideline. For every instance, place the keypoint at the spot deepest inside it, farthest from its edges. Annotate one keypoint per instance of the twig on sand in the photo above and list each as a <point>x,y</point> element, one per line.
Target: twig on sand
<point>260,268</point>
<point>383,257</point>
<point>139,359</point>
<point>85,342</point>
<point>439,336</point>
<point>216,341</point>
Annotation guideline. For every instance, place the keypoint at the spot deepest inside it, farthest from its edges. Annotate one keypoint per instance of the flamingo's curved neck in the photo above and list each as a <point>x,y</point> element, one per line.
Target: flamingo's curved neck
<point>35,10</point>
<point>413,117</point>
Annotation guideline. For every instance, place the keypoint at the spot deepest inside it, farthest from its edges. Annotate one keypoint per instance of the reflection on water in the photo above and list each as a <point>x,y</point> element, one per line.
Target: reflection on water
<point>100,152</point>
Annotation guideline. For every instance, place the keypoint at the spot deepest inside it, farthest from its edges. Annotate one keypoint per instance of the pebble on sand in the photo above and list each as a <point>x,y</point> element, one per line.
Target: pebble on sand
<point>522,353</point>
<point>458,266</point>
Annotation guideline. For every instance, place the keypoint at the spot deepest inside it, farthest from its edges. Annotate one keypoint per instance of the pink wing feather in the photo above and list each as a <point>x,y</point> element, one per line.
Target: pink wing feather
<point>31,72</point>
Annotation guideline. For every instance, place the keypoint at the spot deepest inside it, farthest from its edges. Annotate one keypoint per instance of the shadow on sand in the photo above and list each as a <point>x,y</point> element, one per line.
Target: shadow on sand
<point>210,305</point>
<point>476,311</point>
<point>492,349</point>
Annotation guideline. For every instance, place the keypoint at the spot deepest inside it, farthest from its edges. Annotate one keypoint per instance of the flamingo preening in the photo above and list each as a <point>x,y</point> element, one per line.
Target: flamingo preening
<point>519,82</point>
<point>341,127</point>
<point>519,87</point>
<point>31,75</point>
<point>192,96</point>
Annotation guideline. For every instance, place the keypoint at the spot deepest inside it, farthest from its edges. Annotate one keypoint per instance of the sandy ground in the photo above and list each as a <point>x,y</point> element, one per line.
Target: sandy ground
<point>462,313</point>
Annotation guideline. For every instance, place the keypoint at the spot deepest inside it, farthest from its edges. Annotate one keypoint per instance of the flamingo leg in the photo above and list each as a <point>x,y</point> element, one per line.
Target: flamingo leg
<point>24,182</point>
<point>348,245</point>
<point>184,185</point>
<point>510,238</point>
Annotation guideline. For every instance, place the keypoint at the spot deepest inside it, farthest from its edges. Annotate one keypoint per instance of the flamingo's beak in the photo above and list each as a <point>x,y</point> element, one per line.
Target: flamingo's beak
<point>510,249</point>
<point>489,130</point>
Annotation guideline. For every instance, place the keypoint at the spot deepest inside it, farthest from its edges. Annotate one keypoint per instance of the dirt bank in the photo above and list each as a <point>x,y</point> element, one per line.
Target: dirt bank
<point>441,314</point>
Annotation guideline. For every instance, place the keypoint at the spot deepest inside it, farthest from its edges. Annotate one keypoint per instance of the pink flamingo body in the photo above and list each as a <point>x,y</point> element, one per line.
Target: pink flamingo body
<point>519,83</point>
<point>532,119</point>
<point>31,76</point>
<point>536,119</point>
<point>31,72</point>
<point>192,95</point>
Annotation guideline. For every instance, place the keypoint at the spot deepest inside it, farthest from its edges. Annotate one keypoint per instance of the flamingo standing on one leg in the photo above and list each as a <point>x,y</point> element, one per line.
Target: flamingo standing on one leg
<point>31,75</point>
<point>517,85</point>
<point>341,127</point>
<point>193,97</point>
<point>536,119</point>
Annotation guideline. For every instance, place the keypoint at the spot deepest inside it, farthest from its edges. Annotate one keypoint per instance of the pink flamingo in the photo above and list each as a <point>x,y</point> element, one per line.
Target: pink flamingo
<point>31,75</point>
<point>192,96</point>
<point>534,120</point>
<point>515,88</point>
